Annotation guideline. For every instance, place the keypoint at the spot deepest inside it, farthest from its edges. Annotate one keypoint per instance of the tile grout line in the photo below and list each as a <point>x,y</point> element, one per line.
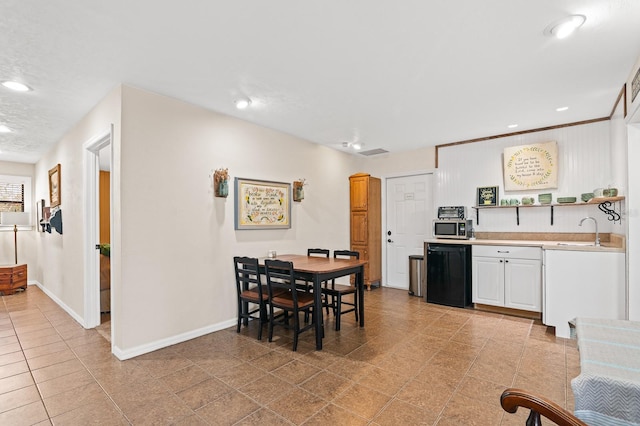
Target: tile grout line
<point>88,370</point>
<point>25,358</point>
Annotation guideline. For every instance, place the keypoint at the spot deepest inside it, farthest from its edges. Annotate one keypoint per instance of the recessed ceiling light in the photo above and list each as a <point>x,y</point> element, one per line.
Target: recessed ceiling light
<point>512,126</point>
<point>4,129</point>
<point>562,109</point>
<point>14,85</point>
<point>243,103</point>
<point>565,27</point>
<point>353,145</point>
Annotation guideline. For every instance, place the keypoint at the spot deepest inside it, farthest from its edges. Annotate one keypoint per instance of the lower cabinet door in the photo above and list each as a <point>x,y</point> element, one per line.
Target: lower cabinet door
<point>523,284</point>
<point>488,281</point>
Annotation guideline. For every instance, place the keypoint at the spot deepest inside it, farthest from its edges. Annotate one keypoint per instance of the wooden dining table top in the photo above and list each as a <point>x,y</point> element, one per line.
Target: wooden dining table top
<point>316,264</point>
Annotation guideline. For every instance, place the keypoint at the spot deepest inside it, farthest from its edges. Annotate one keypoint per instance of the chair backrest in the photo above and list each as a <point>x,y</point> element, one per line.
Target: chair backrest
<point>247,274</point>
<point>280,277</point>
<point>346,253</point>
<point>318,251</point>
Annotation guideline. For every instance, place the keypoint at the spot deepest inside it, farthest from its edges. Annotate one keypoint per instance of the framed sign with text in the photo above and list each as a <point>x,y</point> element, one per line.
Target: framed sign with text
<point>487,196</point>
<point>262,204</point>
<point>531,167</point>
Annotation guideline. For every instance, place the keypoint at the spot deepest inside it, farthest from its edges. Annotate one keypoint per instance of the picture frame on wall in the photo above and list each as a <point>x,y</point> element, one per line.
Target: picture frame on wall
<point>261,204</point>
<point>487,196</point>
<point>54,186</point>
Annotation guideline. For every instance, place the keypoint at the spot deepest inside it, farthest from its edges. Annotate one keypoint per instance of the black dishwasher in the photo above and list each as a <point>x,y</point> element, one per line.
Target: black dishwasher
<point>449,274</point>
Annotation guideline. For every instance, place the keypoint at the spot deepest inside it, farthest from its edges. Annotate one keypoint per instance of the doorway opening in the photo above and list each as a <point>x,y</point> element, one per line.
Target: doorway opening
<point>97,209</point>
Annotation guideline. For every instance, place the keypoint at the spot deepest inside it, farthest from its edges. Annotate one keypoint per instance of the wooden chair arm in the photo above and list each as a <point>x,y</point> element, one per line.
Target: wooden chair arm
<point>512,398</point>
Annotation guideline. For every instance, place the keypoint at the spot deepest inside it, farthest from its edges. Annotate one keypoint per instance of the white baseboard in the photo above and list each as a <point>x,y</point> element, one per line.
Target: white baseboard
<point>147,347</point>
<point>163,343</point>
<point>60,303</point>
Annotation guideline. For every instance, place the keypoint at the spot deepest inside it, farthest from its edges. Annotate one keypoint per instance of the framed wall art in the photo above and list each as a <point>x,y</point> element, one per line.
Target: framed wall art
<point>55,196</point>
<point>262,204</point>
<point>528,167</point>
<point>487,196</point>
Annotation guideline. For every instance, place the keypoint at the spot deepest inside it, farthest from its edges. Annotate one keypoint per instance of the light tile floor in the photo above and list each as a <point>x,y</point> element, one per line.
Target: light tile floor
<point>413,363</point>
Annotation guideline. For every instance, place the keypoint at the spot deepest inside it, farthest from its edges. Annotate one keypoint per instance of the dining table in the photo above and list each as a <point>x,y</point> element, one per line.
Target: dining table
<point>317,270</point>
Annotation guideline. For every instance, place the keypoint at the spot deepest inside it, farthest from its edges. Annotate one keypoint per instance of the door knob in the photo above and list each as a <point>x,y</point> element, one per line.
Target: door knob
<point>388,232</point>
<point>389,240</point>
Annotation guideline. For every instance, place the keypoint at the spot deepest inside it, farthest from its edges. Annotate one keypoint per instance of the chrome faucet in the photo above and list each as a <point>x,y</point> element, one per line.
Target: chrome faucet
<point>596,223</point>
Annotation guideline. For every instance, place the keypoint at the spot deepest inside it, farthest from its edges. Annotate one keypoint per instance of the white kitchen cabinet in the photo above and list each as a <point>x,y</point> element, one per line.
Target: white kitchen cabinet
<point>507,276</point>
<point>582,284</point>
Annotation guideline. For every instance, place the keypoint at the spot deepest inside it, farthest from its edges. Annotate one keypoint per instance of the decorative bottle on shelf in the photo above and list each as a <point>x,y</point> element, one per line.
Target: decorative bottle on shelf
<point>223,188</point>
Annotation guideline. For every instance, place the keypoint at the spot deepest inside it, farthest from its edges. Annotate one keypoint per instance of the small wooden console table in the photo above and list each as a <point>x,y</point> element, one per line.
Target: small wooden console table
<point>12,278</point>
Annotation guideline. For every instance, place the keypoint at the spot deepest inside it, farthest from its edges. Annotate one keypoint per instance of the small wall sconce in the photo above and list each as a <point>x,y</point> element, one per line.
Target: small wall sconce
<point>221,183</point>
<point>298,189</point>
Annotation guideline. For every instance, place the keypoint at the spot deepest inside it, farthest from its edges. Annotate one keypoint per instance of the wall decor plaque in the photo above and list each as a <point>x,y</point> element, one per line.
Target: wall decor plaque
<point>487,196</point>
<point>531,166</point>
<point>55,191</point>
<point>262,204</point>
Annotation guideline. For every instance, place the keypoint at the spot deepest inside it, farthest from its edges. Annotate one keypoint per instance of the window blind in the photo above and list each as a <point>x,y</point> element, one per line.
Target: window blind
<point>11,197</point>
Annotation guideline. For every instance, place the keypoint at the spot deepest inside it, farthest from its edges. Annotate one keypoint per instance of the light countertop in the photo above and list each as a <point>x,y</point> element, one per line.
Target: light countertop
<point>615,245</point>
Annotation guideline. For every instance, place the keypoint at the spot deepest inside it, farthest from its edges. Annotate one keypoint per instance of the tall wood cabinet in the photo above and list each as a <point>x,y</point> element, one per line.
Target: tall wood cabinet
<point>366,226</point>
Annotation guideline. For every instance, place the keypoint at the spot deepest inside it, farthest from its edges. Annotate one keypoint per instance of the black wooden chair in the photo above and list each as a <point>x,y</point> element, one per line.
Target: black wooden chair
<point>283,294</point>
<point>307,285</point>
<point>334,294</point>
<point>250,290</point>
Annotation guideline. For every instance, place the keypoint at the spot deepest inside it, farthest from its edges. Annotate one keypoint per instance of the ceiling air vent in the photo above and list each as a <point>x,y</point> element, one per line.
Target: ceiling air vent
<point>373,152</point>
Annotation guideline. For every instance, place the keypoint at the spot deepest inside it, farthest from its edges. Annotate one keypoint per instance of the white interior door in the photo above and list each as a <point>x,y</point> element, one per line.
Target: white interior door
<point>409,215</point>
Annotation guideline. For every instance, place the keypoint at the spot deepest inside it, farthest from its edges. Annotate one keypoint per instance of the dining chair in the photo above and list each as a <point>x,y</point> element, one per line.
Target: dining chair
<point>250,290</point>
<point>318,252</point>
<point>307,285</point>
<point>283,294</point>
<point>334,294</point>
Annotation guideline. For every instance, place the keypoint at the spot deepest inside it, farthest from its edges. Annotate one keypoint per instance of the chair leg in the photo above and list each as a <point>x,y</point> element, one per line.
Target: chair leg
<point>262,318</point>
<point>296,330</point>
<point>326,300</point>
<point>355,304</point>
<point>239,316</point>
<point>270,323</point>
<point>338,311</point>
<point>245,314</point>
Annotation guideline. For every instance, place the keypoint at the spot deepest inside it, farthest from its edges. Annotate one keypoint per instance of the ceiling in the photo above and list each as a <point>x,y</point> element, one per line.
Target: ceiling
<point>396,75</point>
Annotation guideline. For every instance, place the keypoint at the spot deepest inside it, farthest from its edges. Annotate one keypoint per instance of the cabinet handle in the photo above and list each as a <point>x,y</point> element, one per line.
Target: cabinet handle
<point>506,261</point>
<point>500,260</point>
<point>503,251</point>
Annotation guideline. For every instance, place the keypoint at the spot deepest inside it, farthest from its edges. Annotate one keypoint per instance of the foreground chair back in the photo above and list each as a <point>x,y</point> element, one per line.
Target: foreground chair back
<point>283,294</point>
<point>511,399</point>
<point>250,290</point>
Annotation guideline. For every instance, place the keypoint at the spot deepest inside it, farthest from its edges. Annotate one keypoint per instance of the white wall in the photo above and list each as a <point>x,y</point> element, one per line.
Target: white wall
<point>584,164</point>
<point>405,162</point>
<point>633,201</point>
<point>633,239</point>
<point>178,240</point>
<point>60,257</point>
